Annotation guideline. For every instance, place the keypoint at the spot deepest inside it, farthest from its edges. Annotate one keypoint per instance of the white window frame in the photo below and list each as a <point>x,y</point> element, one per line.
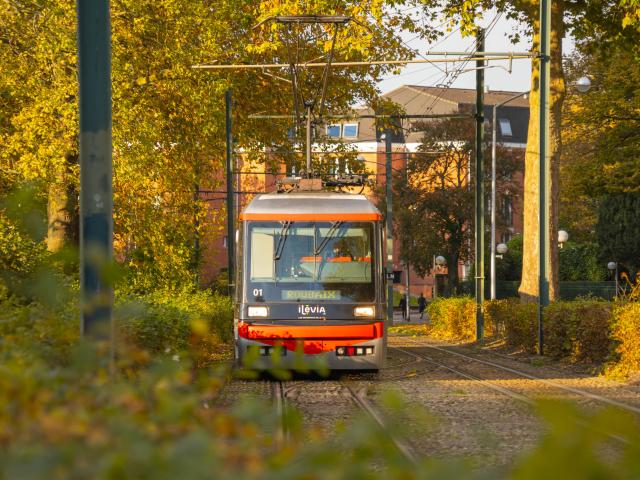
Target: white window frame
<point>350,125</point>
<point>334,125</point>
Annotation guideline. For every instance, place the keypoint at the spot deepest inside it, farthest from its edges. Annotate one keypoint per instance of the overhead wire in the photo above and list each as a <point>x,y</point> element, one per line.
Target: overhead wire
<point>456,73</point>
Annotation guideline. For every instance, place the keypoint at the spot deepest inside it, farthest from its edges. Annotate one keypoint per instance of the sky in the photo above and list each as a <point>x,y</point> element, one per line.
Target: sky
<point>495,78</point>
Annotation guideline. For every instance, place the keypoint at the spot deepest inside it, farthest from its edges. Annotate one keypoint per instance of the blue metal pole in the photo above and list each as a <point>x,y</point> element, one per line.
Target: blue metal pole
<point>96,195</point>
<point>545,168</point>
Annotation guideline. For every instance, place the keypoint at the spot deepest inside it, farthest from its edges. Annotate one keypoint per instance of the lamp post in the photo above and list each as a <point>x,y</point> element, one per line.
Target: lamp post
<point>613,268</point>
<point>493,190</point>
<point>438,261</point>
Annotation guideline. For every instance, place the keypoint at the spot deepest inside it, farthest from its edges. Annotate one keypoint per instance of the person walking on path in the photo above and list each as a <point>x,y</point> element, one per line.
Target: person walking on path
<point>403,307</point>
<point>422,304</point>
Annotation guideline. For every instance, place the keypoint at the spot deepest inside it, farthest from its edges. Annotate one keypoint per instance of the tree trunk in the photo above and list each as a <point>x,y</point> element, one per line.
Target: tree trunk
<point>530,256</point>
<point>62,210</point>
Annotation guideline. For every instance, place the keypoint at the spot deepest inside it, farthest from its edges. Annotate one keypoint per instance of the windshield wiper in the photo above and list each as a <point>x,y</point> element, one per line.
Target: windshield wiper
<point>330,233</point>
<point>281,240</point>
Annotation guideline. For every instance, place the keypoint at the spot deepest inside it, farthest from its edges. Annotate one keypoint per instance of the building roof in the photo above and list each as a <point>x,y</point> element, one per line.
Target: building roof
<point>311,206</point>
<point>513,118</point>
<point>468,95</point>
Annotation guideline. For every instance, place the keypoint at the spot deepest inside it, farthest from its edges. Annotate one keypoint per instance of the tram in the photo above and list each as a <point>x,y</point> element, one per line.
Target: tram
<point>310,282</point>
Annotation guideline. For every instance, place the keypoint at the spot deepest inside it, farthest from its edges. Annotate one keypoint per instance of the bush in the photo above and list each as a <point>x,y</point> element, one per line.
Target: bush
<point>165,320</point>
<point>516,321</point>
<point>625,333</point>
<point>578,330</point>
<point>37,332</point>
<point>580,262</point>
<point>160,321</point>
<point>453,318</point>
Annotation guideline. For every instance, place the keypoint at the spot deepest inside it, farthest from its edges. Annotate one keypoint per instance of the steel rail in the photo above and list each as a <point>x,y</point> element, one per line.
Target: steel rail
<point>470,376</point>
<point>550,383</point>
<point>361,401</point>
<point>280,403</point>
<point>498,388</point>
<point>466,58</point>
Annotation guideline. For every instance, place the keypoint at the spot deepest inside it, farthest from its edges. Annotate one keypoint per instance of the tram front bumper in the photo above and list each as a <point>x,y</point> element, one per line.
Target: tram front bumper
<point>344,347</point>
<point>257,355</point>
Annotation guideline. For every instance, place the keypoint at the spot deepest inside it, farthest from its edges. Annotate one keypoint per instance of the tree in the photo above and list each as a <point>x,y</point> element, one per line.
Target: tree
<point>38,89</point>
<point>618,229</point>
<point>581,19</point>
<point>602,134</point>
<point>168,119</point>
<point>436,205</point>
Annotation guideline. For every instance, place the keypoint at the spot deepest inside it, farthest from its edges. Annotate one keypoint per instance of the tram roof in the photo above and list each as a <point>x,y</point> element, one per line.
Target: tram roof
<point>311,206</point>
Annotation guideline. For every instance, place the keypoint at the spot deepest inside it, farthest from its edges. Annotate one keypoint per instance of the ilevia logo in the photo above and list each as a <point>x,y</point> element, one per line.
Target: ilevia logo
<point>307,310</point>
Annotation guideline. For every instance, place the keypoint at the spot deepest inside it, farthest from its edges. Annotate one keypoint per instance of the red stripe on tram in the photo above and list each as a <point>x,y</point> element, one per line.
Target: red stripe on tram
<point>313,338</point>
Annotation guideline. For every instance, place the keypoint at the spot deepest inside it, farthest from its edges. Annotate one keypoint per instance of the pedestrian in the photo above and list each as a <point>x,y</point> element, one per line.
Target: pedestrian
<point>403,307</point>
<point>422,304</point>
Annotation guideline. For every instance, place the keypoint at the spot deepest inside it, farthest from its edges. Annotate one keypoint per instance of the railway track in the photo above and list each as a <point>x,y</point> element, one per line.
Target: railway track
<point>511,392</point>
<point>358,398</point>
<point>543,381</point>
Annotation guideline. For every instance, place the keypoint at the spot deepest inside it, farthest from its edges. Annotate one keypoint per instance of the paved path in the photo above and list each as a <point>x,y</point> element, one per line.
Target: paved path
<point>414,319</point>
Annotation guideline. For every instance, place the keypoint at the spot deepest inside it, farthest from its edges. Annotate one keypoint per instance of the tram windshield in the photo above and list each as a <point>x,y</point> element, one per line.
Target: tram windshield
<point>311,261</point>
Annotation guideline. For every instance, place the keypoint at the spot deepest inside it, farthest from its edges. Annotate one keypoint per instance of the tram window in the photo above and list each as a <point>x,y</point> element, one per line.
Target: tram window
<point>323,260</point>
<point>262,263</point>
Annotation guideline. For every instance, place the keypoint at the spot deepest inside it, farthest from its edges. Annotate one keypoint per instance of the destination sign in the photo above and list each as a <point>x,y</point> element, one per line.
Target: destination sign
<point>311,294</point>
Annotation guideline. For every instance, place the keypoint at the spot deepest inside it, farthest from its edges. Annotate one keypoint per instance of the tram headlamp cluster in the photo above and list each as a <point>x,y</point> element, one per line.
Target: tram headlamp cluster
<point>354,351</point>
<point>268,351</point>
<point>258,311</point>
<point>364,312</point>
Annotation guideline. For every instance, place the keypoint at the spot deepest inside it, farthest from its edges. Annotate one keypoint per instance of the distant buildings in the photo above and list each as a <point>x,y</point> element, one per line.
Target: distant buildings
<point>362,135</point>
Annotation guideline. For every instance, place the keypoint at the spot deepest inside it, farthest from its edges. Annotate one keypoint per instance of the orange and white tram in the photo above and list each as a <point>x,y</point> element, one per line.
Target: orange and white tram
<point>310,279</point>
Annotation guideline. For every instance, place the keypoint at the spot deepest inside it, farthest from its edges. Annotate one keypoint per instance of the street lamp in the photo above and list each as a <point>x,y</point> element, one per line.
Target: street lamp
<point>501,248</point>
<point>583,84</point>
<point>613,268</point>
<point>438,261</point>
<point>563,236</point>
<point>493,189</point>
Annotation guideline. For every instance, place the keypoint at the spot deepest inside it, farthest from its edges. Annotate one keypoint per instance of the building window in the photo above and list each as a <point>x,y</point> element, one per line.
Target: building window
<point>350,130</point>
<point>507,210</point>
<point>506,237</point>
<point>224,241</point>
<point>333,131</point>
<point>505,127</point>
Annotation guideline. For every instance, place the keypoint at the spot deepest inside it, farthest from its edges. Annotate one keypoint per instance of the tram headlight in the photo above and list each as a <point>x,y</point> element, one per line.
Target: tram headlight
<point>364,311</point>
<point>258,311</point>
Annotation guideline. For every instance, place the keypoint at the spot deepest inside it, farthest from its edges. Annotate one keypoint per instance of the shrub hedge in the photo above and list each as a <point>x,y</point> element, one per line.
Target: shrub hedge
<point>513,320</point>
<point>586,330</point>
<point>166,320</point>
<point>157,322</point>
<point>625,333</point>
<point>578,330</point>
<point>453,318</point>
